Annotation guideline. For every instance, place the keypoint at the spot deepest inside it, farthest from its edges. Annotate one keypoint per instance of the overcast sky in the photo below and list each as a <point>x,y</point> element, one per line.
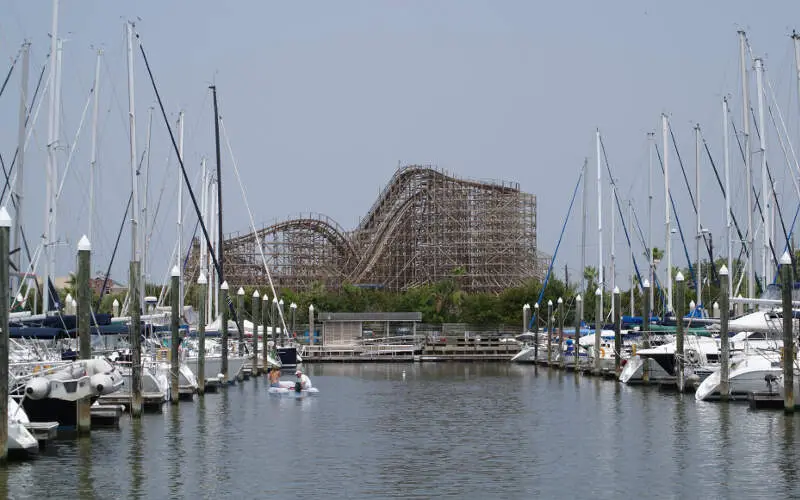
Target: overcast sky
<point>321,100</point>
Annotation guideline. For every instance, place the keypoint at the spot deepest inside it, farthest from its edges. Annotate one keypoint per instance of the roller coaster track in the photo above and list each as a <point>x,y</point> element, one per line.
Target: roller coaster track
<point>415,197</point>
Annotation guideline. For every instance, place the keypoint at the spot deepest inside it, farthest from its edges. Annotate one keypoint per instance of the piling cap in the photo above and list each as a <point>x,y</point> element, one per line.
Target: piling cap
<point>311,307</point>
<point>84,245</point>
<point>646,283</point>
<point>616,290</point>
<point>275,299</point>
<point>74,303</point>
<point>723,270</point>
<point>716,305</point>
<point>69,298</point>
<point>526,306</point>
<point>679,276</point>
<point>692,305</point>
<point>175,272</point>
<point>293,306</point>
<point>202,280</point>
<point>115,303</point>
<point>224,285</point>
<point>280,302</point>
<point>20,298</point>
<point>785,258</point>
<point>560,300</point>
<point>578,298</point>
<point>240,291</point>
<point>265,297</point>
<point>536,306</point>
<point>549,302</point>
<point>256,294</point>
<point>598,292</point>
<point>5,219</point>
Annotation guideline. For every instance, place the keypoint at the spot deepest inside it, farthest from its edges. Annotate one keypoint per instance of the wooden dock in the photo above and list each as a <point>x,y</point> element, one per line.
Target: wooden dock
<point>106,416</point>
<point>445,349</point>
<point>42,431</point>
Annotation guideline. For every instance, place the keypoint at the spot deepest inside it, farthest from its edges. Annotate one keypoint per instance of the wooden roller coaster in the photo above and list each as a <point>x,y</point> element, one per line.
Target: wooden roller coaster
<point>425,226</point>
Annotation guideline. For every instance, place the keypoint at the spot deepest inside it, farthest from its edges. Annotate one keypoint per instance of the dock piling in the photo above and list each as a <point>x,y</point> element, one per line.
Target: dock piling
<point>311,324</point>
<point>561,332</point>
<point>135,340</point>
<point>598,328</point>
<point>223,307</point>
<point>240,318</point>
<point>549,332</point>
<point>256,303</point>
<point>575,344</point>
<point>202,281</point>
<point>174,323</point>
<point>787,281</point>
<point>5,234</point>
<point>724,366</point>
<point>264,337</point>
<point>617,331</point>
<point>679,299</point>
<point>646,329</point>
<point>83,406</point>
<point>536,332</point>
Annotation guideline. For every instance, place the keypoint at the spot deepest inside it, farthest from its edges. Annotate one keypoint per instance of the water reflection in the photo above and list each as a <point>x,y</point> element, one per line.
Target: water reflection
<point>85,482</point>
<point>136,458</point>
<point>175,455</point>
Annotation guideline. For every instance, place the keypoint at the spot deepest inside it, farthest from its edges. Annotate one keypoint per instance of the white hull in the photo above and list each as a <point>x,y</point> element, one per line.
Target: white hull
<point>19,438</point>
<point>747,374</point>
<point>213,366</point>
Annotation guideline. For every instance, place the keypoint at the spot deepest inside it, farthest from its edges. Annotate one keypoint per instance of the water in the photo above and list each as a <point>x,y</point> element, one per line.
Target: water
<point>458,430</point>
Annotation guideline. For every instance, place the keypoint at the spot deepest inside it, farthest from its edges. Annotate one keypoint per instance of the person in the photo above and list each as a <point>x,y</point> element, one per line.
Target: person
<point>274,377</point>
<point>303,380</point>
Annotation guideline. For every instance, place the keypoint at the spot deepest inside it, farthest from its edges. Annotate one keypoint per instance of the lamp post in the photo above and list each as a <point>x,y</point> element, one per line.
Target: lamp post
<point>293,307</point>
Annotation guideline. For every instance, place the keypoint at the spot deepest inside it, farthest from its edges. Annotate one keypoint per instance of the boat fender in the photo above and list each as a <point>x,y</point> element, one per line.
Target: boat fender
<point>37,388</point>
<point>298,387</point>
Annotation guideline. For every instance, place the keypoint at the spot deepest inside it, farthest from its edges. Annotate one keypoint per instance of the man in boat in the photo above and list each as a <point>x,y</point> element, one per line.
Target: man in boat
<point>303,381</point>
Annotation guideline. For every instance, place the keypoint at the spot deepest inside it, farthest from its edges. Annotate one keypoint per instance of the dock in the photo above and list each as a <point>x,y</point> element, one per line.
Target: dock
<point>42,431</point>
<point>106,416</point>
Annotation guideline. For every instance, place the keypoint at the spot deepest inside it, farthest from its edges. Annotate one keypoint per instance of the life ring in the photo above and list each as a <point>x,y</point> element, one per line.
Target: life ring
<point>602,352</point>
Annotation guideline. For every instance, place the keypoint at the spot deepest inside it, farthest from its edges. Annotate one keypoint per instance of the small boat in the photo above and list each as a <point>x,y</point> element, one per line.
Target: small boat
<point>20,441</point>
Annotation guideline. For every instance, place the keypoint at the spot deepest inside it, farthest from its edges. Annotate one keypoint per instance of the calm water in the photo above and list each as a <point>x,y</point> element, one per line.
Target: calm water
<point>459,430</point>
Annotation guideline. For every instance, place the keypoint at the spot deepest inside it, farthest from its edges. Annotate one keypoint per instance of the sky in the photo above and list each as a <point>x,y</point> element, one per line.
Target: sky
<point>321,101</point>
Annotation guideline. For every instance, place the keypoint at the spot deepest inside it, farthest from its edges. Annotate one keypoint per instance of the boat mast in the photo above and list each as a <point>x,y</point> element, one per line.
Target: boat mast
<point>18,188</point>
<point>751,272</point>
<point>93,162</point>
<point>204,215</point>
<point>633,272</point>
<point>766,195</point>
<point>667,222</point>
<point>52,168</point>
<point>599,225</point>
<point>651,263</point>
<point>180,216</point>
<point>145,241</point>
<point>584,284</point>
<point>698,275</point>
<point>221,273</point>
<point>728,222</point>
<point>796,39</point>
<point>612,207</point>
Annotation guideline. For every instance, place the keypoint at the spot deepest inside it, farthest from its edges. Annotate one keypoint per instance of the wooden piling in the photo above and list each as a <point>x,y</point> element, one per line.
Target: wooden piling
<point>561,332</point>
<point>646,329</point>
<point>202,283</point>
<point>526,309</point>
<point>549,332</point>
<point>679,299</point>
<point>83,406</point>
<point>311,324</point>
<point>787,283</point>
<point>264,336</point>
<point>240,318</point>
<point>255,306</point>
<point>617,331</point>
<point>135,340</point>
<point>174,323</point>
<point>223,307</point>
<point>598,329</point>
<point>578,320</point>
<point>724,362</point>
<point>5,232</point>
<point>536,332</point>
